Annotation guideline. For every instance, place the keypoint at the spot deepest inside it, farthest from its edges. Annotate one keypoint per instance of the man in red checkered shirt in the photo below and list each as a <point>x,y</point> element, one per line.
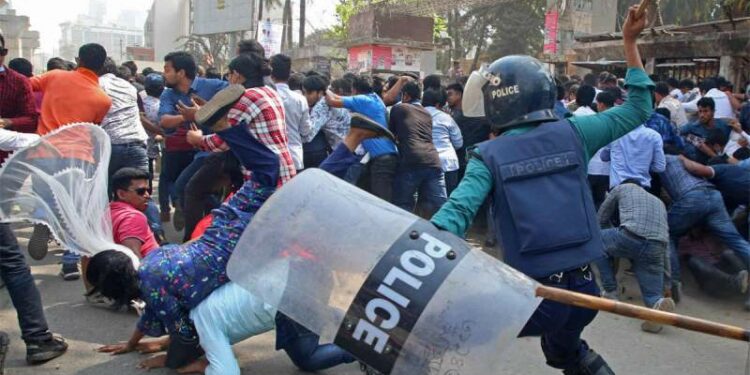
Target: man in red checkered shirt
<point>260,109</point>
<point>17,108</point>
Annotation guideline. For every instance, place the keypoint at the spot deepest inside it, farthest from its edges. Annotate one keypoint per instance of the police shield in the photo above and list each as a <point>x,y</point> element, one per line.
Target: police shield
<point>390,288</point>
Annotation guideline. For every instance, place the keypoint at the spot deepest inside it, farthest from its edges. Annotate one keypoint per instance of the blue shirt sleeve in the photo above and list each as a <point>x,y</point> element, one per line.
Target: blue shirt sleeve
<point>167,104</point>
<point>350,103</point>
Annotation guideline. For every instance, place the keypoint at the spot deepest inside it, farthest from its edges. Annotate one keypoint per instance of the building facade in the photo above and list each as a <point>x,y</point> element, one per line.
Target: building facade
<point>115,39</point>
<point>19,39</point>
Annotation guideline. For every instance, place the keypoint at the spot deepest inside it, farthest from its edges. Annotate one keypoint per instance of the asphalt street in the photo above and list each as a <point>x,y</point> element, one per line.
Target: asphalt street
<point>627,349</point>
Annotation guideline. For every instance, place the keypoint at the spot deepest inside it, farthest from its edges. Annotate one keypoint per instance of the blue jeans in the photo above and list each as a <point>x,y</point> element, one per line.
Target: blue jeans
<point>304,349</point>
<point>17,277</point>
<point>705,207</point>
<point>428,182</point>
<point>172,165</point>
<point>128,155</point>
<point>186,175</point>
<point>647,258</point>
<point>560,325</point>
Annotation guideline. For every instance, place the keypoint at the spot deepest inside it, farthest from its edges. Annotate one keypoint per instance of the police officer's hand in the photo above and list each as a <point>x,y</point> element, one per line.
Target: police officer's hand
<point>634,25</point>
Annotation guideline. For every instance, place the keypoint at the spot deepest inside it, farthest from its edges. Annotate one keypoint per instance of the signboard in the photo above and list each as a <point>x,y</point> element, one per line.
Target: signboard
<point>550,32</point>
<point>222,16</point>
<point>396,58</point>
<point>269,36</point>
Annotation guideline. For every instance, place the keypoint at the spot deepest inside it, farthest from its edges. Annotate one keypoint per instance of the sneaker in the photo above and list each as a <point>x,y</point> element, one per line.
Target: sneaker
<point>98,300</point>
<point>39,242</point>
<point>219,105</point>
<point>41,352</point>
<point>663,304</point>
<point>613,295</point>
<point>4,344</point>
<point>742,281</point>
<point>70,272</point>
<point>178,220</point>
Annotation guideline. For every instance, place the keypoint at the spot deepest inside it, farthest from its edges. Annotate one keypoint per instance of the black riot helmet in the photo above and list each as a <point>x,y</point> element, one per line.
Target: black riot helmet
<point>514,91</point>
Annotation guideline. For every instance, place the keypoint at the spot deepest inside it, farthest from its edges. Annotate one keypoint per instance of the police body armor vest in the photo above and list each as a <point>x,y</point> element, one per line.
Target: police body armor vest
<point>544,212</point>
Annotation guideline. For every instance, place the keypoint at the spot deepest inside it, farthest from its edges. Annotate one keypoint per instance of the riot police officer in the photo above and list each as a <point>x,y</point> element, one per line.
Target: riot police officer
<point>535,169</point>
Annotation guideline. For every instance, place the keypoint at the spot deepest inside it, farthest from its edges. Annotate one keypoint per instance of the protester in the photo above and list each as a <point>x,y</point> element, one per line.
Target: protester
<point>332,122</point>
<point>446,136</point>
<point>696,133</point>
<point>640,235</point>
<point>70,97</point>
<point>17,106</point>
<point>634,156</point>
<point>664,99</point>
<point>296,111</point>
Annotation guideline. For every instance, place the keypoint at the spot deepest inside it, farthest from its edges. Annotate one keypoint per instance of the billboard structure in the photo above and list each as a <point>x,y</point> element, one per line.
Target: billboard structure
<point>222,16</point>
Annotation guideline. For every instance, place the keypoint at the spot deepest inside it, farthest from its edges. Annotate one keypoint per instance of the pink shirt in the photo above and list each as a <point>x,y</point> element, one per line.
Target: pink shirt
<point>128,222</point>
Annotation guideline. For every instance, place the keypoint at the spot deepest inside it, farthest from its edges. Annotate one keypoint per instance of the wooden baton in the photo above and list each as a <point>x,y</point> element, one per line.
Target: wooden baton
<point>632,311</point>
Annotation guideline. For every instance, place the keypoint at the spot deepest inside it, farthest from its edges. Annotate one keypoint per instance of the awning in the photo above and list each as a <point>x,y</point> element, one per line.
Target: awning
<point>600,63</point>
<point>674,64</point>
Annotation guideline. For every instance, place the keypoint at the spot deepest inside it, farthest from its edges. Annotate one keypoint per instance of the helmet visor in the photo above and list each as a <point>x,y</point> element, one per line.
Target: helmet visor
<point>473,99</point>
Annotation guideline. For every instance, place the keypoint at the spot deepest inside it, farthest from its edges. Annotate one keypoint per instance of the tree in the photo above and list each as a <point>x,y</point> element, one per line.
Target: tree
<point>286,35</point>
<point>302,21</point>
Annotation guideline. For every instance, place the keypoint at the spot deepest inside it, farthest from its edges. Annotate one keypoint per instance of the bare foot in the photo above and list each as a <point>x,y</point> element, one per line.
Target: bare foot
<point>197,367</point>
<point>158,361</point>
<point>153,346</point>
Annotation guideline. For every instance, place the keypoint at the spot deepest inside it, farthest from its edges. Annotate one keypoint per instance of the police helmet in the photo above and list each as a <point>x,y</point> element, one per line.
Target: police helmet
<point>514,91</point>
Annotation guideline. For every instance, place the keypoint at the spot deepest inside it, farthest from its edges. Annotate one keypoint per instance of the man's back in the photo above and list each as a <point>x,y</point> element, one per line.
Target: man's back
<point>122,123</point>
<point>297,119</point>
<point>635,155</point>
<point>70,97</point>
<point>412,126</point>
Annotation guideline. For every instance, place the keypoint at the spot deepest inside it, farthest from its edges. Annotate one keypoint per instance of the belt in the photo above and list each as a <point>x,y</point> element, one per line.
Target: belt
<point>559,277</point>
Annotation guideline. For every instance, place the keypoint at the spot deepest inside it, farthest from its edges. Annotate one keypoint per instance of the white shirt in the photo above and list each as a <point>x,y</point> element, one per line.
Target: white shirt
<point>723,106</point>
<point>676,93</point>
<point>297,118</point>
<point>597,167</point>
<point>733,145</point>
<point>677,115</point>
<point>446,136</point>
<point>123,121</point>
<point>12,140</point>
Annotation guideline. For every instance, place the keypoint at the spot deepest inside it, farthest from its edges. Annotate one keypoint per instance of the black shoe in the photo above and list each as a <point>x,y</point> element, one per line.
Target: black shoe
<point>591,364</point>
<point>4,344</point>
<point>41,352</point>
<point>677,291</point>
<point>39,242</point>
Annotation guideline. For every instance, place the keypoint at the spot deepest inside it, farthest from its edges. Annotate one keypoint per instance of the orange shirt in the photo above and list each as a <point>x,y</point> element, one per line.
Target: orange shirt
<point>70,96</point>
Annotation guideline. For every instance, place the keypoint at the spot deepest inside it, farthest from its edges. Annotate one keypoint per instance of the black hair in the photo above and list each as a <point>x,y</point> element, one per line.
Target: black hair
<point>585,95</point>
<point>154,89</point>
<point>295,81</point>
<point>671,149</point>
<point>606,98</point>
<point>69,65</point>
<point>717,137</point>
<point>22,66</point>
<point>342,85</point>
<point>412,89</point>
<point>56,63</point>
<point>434,97</point>
<point>662,88</point>
<point>363,84</point>
<point>664,112</point>
<point>707,84</point>
<point>742,154</point>
<point>112,274</point>
<point>560,89</point>
<point>314,83</point>
<point>2,39</point>
<point>610,78</point>
<point>122,179</point>
<point>109,67</point>
<point>432,81</point>
<point>673,82</point>
<point>391,81</point>
<point>251,46</point>
<point>687,84</point>
<point>92,56</point>
<point>147,70</point>
<point>349,76</point>
<point>378,85</point>
<point>251,66</point>
<point>457,87</point>
<point>213,73</point>
<point>707,103</point>
<point>124,72</point>
<point>615,92</point>
<point>132,67</point>
<point>590,79</point>
<point>281,67</point>
<point>182,61</point>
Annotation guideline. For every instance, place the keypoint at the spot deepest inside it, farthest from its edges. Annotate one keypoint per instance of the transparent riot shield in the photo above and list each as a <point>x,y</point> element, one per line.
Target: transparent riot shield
<point>388,287</point>
<point>61,181</point>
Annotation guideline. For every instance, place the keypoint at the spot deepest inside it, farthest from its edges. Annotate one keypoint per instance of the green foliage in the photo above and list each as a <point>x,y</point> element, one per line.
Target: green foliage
<point>441,25</point>
<point>345,9</point>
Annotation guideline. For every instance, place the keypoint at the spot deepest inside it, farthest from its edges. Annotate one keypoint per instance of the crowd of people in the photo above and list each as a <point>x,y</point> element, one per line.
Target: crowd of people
<point>673,191</point>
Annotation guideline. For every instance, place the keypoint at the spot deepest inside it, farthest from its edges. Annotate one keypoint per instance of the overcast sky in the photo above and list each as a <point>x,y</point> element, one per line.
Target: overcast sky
<point>46,15</point>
